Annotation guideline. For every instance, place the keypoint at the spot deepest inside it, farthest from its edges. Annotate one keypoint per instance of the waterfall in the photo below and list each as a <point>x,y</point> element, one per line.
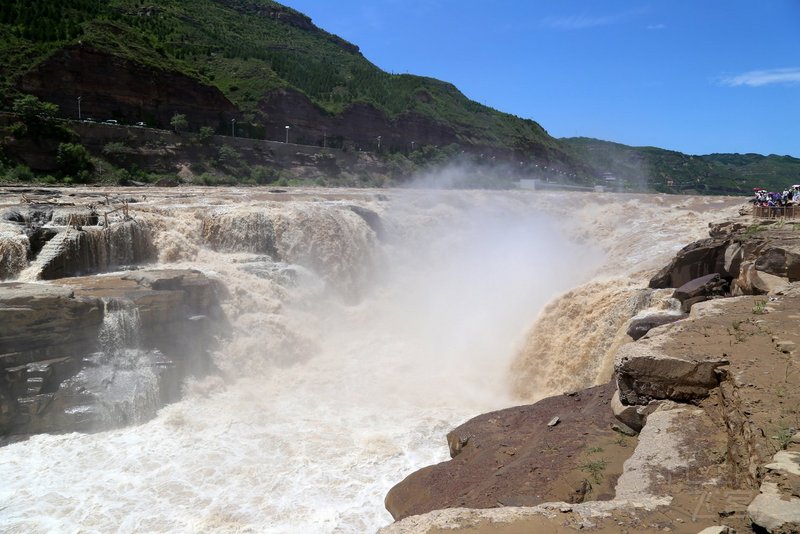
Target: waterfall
<point>121,385</point>
<point>91,249</point>
<point>13,254</point>
<point>358,340</point>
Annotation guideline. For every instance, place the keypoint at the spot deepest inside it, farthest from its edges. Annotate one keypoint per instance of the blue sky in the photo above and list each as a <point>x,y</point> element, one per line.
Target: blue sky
<point>698,76</point>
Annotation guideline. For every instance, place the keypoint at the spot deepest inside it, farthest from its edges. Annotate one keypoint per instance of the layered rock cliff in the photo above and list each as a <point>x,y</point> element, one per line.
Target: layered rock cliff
<point>93,353</point>
<point>114,87</point>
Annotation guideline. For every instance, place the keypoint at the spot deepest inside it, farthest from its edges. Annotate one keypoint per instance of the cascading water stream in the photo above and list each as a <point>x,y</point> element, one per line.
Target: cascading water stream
<point>120,383</point>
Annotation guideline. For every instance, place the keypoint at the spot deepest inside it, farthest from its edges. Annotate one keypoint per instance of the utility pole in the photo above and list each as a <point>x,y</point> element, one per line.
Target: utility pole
<point>233,127</point>
<point>79,108</point>
<point>287,134</point>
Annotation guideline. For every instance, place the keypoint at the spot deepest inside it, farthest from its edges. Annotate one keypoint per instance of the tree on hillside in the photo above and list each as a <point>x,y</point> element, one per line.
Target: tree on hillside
<point>205,135</point>
<point>73,160</point>
<point>37,116</point>
<point>179,122</point>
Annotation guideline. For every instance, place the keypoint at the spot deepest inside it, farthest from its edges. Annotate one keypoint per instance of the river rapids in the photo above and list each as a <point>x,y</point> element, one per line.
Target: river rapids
<point>365,325</point>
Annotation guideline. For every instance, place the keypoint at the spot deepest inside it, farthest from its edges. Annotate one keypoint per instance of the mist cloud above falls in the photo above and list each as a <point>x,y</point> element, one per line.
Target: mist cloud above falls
<point>461,287</point>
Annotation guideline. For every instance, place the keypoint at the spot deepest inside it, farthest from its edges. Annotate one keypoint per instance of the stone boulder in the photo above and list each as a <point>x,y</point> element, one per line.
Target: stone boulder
<point>780,262</point>
<point>642,323</point>
<point>697,259</point>
<point>635,416</point>
<point>732,260</point>
<point>751,281</point>
<point>699,290</point>
<point>644,372</point>
<point>774,512</point>
<point>725,229</point>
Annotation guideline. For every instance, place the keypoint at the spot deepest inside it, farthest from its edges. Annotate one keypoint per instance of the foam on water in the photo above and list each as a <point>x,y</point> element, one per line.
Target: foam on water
<point>326,402</point>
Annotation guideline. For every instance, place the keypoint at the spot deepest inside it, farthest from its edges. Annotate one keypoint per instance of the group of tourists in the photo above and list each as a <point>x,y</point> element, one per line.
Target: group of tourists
<point>789,197</point>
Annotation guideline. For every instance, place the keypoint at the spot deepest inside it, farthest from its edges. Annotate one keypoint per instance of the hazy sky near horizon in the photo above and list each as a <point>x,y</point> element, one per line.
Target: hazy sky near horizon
<point>699,76</point>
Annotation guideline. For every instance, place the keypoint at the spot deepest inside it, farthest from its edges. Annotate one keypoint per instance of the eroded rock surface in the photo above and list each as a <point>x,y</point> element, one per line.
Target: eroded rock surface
<point>646,372</point>
<point>697,259</point>
<point>513,458</point>
<point>640,325</point>
<point>80,353</point>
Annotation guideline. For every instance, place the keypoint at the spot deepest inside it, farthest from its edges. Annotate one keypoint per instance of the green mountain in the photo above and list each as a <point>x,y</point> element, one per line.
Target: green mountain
<point>258,69</point>
<point>255,62</point>
<point>651,168</point>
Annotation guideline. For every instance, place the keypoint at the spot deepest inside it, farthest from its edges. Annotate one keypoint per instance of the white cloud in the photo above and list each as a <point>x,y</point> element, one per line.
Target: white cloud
<point>579,22</point>
<point>656,27</point>
<point>758,78</point>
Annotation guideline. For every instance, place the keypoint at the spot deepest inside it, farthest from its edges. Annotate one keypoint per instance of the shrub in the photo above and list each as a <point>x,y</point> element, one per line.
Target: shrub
<point>73,159</point>
<point>21,173</point>
<point>115,148</point>
<point>228,155</point>
<point>33,111</point>
<point>205,134</point>
<point>179,122</point>
<point>262,175</point>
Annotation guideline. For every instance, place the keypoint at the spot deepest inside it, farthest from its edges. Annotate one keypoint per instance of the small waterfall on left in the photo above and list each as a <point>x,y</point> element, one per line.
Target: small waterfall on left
<point>121,383</point>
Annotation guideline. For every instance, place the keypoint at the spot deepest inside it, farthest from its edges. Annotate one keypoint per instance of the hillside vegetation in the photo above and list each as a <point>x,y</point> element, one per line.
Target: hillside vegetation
<point>247,48</point>
<point>667,171</point>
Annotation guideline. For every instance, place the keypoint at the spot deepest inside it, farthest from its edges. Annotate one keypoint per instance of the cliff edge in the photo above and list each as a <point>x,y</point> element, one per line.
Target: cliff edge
<point>706,403</point>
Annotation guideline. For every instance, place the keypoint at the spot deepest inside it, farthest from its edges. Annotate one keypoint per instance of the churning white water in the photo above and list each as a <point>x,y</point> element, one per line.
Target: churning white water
<point>356,347</point>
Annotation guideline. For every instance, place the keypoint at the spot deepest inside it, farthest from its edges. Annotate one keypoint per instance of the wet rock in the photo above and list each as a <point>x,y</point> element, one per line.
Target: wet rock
<point>774,512</point>
<point>40,321</point>
<point>60,372</point>
<point>644,322</point>
<point>74,216</point>
<point>372,219</point>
